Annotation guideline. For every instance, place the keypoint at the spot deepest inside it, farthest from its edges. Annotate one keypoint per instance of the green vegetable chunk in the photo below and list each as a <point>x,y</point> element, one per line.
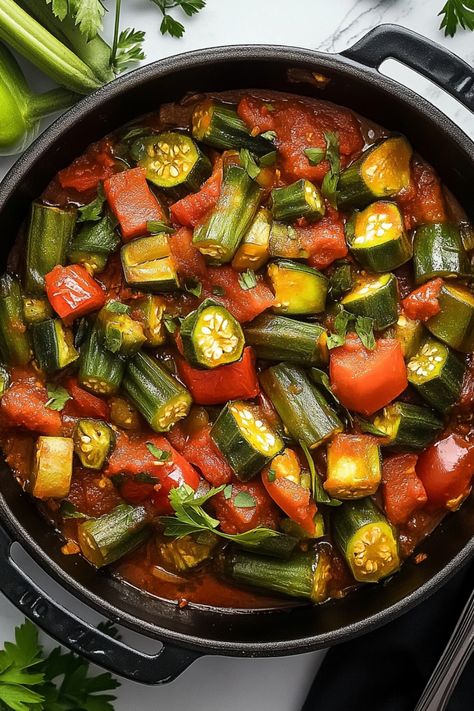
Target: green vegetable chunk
<point>299,289</point>
<point>300,199</point>
<point>211,336</point>
<point>106,539</point>
<point>454,324</point>
<point>219,126</point>
<point>93,441</point>
<point>148,264</point>
<point>437,374</point>
<point>438,251</point>
<point>408,427</point>
<point>118,331</point>
<point>14,342</point>
<point>375,298</point>
<point>52,345</point>
<point>279,338</point>
<point>377,237</point>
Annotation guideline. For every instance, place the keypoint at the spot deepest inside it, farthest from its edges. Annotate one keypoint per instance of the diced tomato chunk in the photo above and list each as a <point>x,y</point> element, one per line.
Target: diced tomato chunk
<point>288,494</point>
<point>24,405</point>
<point>84,404</point>
<point>446,470</point>
<point>324,241</point>
<point>199,449</point>
<point>132,202</point>
<point>238,519</point>
<point>87,171</point>
<point>424,201</point>
<point>299,125</point>
<point>72,292</point>
<point>237,381</point>
<point>365,380</point>
<point>244,304</point>
<point>403,491</point>
<point>192,209</point>
<point>189,261</point>
<point>422,303</point>
<point>89,495</point>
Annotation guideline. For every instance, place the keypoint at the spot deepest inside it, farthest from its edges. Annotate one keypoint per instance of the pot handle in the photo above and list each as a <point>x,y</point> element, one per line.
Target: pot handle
<point>85,639</point>
<point>436,63</point>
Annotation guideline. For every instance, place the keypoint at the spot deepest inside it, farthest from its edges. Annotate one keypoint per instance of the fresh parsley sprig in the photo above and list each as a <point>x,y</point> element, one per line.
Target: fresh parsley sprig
<point>363,326</point>
<point>57,397</point>
<point>190,517</point>
<point>171,26</point>
<point>455,14</point>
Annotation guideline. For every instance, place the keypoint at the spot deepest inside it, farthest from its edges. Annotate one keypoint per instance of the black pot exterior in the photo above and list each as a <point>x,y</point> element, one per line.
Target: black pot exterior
<point>206,630</point>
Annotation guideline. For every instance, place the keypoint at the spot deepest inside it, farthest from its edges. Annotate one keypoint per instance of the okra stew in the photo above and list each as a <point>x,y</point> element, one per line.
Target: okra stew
<point>236,341</point>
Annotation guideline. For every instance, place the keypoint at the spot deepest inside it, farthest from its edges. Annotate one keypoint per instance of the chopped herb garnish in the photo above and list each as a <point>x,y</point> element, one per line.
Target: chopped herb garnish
<point>457,13</point>
<point>319,494</point>
<point>341,324</point>
<point>247,280</point>
<point>269,135</point>
<point>249,163</point>
<point>68,510</point>
<point>228,491</point>
<point>161,455</point>
<point>244,500</point>
<point>145,477</point>
<point>218,291</point>
<point>315,156</point>
<point>116,307</point>
<point>331,179</point>
<point>171,323</point>
<point>269,107</point>
<point>93,211</point>
<point>57,397</point>
<point>155,227</point>
<point>364,327</point>
<point>271,475</point>
<point>193,287</point>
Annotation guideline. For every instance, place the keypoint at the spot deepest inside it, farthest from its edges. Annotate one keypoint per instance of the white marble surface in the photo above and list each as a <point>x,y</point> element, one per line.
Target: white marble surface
<point>213,684</point>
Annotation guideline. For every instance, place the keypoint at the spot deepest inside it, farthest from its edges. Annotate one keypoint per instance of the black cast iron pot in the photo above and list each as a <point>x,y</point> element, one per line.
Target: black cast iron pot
<point>193,631</point>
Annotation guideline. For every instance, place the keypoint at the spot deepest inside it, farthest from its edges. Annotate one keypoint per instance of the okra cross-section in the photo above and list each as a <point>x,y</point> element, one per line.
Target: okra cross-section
<point>245,439</point>
<point>377,237</point>
<point>118,331</point>
<point>303,409</point>
<point>408,427</point>
<point>211,336</point>
<point>299,289</point>
<point>147,264</point>
<point>100,371</point>
<point>300,199</point>
<point>93,441</point>
<point>155,393</point>
<point>354,466</point>
<point>254,252</point>
<point>376,298</point>
<point>437,374</point>
<point>219,126</point>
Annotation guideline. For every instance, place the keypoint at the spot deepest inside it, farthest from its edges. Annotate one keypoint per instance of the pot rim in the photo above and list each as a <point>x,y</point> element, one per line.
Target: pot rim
<point>10,185</point>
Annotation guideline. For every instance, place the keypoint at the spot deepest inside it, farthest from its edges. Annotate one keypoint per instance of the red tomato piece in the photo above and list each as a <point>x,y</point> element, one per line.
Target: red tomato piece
<point>238,519</point>
<point>244,304</point>
<point>288,494</point>
<point>132,457</point>
<point>299,125</point>
<point>72,292</point>
<point>424,201</point>
<point>132,202</point>
<point>422,303</point>
<point>403,491</point>
<point>363,380</point>
<point>189,261</point>
<point>87,171</point>
<point>446,469</point>
<point>83,404</point>
<point>237,381</point>
<point>192,209</point>
<point>201,451</point>
<point>89,495</point>
<point>24,405</point>
<point>324,241</point>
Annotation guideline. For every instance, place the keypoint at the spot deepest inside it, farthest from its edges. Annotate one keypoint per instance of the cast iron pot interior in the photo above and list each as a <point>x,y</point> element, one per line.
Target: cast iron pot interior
<point>285,631</point>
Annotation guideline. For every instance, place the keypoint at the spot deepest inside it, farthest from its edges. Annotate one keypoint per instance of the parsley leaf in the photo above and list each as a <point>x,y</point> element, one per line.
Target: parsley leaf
<point>228,491</point>
<point>92,212</point>
<point>341,324</point>
<point>154,227</point>
<point>331,179</point>
<point>364,327</point>
<point>249,163</point>
<point>171,323</point>
<point>169,25</point>
<point>269,135</point>
<point>161,454</point>
<point>129,49</point>
<point>248,280</point>
<point>244,500</point>
<point>193,287</point>
<point>88,16</point>
<point>271,475</point>
<point>457,13</point>
<point>190,517</point>
<point>315,156</point>
<point>57,397</point>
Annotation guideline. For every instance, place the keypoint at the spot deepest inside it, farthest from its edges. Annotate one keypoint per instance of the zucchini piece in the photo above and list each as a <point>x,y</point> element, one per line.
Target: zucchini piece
<point>253,251</point>
<point>36,309</point>
<point>292,528</point>
<point>437,374</point>
<point>304,411</point>
<point>279,338</point>
<point>93,441</point>
<point>377,237</point>
<point>454,324</point>
<point>438,251</point>
<point>93,244</point>
<point>157,396</point>
<point>299,289</point>
<point>304,575</point>
<point>366,539</point>
<point>100,371</point>
<point>211,336</point>
<point>117,330</point>
<point>172,161</point>
<point>148,264</point>
<point>183,554</point>
<point>408,427</point>
<point>106,539</point>
<point>220,235</point>
<point>300,199</point>
<point>14,342</point>
<point>409,334</point>
<point>381,172</point>
<point>53,345</point>
<point>219,126</point>
<point>284,242</point>
<point>150,311</point>
<point>52,468</point>
<point>376,298</point>
<point>245,440</point>
<point>354,466</point>
<point>4,380</point>
<point>49,233</point>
